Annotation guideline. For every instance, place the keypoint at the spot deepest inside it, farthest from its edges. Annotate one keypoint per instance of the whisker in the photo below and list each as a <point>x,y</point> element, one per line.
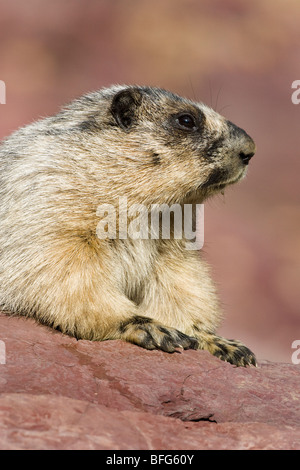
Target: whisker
<point>218,94</point>
<point>224,107</point>
<point>192,88</point>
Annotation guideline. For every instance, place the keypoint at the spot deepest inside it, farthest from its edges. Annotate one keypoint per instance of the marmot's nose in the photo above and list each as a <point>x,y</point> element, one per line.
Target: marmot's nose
<point>245,146</point>
<point>245,157</point>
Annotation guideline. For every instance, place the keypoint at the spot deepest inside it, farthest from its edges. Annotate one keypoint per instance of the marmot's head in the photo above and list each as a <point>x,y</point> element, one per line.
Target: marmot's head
<point>164,148</point>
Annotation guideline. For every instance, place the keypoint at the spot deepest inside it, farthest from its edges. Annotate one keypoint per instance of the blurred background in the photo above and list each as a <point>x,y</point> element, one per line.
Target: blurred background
<point>240,57</point>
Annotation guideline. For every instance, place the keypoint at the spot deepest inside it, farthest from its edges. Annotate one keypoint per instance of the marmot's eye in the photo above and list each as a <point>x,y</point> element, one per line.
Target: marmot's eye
<point>187,121</point>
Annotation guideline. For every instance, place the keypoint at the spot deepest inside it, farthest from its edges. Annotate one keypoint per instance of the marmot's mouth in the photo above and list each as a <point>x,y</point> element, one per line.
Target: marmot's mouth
<point>220,178</point>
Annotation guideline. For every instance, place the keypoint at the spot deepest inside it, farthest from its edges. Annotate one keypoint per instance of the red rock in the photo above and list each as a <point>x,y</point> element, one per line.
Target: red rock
<point>59,393</point>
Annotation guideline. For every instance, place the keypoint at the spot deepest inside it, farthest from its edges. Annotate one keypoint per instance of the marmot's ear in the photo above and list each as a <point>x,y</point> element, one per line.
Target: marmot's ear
<point>124,106</point>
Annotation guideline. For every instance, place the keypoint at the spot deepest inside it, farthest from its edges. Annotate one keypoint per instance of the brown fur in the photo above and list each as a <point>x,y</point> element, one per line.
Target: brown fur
<point>54,174</point>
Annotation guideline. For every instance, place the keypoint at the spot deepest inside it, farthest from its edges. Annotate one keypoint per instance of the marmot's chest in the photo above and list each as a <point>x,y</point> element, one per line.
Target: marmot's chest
<point>136,266</point>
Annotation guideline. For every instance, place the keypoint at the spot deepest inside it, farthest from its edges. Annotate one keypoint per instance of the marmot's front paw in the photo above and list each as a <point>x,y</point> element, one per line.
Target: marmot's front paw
<point>150,334</point>
<point>232,351</point>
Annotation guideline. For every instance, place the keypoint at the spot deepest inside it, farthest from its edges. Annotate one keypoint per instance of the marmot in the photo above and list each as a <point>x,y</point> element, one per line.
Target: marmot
<point>152,147</point>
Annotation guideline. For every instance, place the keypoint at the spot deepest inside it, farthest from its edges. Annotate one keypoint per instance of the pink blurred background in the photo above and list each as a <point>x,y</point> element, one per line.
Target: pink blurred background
<point>239,57</point>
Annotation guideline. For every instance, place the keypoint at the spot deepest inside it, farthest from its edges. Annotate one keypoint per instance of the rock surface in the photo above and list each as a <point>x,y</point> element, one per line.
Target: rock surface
<point>59,393</point>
